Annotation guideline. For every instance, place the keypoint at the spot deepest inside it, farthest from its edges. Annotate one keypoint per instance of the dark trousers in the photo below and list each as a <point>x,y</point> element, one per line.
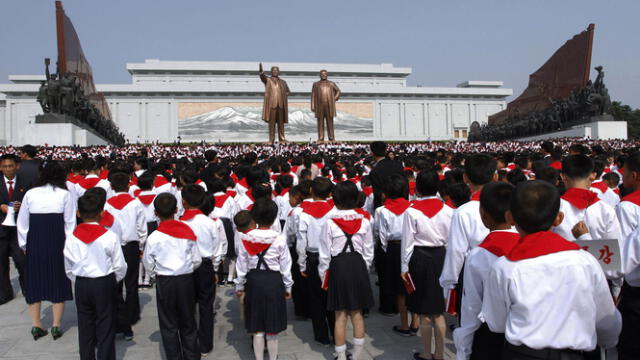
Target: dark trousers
<point>276,116</point>
<point>322,320</point>
<point>205,296</point>
<point>487,345</point>
<point>299,289</point>
<point>176,300</point>
<point>387,297</point>
<point>9,249</point>
<point>628,345</point>
<point>521,352</point>
<point>129,312</point>
<point>96,300</point>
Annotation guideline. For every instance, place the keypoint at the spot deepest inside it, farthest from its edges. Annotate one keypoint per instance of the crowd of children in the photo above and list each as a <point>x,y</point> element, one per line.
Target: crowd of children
<point>487,236</point>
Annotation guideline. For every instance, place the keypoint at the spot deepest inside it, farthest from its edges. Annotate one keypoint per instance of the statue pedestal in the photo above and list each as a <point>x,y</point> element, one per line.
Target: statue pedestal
<point>599,128</point>
<point>63,130</point>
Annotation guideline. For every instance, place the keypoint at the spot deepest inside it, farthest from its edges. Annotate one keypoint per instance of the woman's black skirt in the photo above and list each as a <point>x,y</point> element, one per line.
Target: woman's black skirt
<point>45,277</point>
<point>425,268</point>
<point>349,285</point>
<point>392,280</point>
<point>265,304</point>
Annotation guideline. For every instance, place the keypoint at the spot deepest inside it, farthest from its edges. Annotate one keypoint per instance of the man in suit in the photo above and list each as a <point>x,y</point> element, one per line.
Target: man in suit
<point>29,170</point>
<point>12,190</point>
<point>207,174</point>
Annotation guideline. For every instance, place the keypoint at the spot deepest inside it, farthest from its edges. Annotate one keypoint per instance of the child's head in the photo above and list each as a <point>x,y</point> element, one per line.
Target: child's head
<point>459,194</point>
<point>548,174</point>
<point>495,199</point>
<point>145,181</point>
<point>427,183</point>
<point>345,195</point>
<point>165,206</point>
<point>243,220</point>
<point>479,169</point>
<point>321,187</point>
<point>515,177</point>
<point>576,168</point>
<point>193,196</point>
<point>294,196</point>
<point>534,207</point>
<point>119,182</point>
<point>261,190</point>
<point>397,187</point>
<point>631,174</point>
<point>100,193</point>
<point>217,186</point>
<point>264,212</point>
<point>612,179</point>
<point>283,182</point>
<point>90,207</point>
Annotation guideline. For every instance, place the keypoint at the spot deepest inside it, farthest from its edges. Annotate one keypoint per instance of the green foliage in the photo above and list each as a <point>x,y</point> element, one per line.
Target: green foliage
<point>628,114</point>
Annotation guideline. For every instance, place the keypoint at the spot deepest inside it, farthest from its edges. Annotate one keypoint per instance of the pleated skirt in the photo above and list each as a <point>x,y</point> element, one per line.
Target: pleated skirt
<point>265,304</point>
<point>45,277</point>
<point>425,268</point>
<point>349,284</point>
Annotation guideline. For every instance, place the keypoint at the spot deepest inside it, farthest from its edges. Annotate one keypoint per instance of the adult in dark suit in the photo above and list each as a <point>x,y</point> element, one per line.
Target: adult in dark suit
<point>29,170</point>
<point>547,148</point>
<point>12,189</point>
<point>207,174</point>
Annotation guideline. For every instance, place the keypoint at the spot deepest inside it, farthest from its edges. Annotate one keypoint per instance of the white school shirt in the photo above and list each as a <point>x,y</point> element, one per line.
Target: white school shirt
<point>98,258</point>
<point>277,258</point>
<point>291,225</point>
<point>421,230</point>
<point>467,231</point>
<point>228,208</point>
<point>608,196</point>
<point>476,270</point>
<point>284,207</point>
<point>631,258</point>
<point>212,239</point>
<point>243,202</point>
<point>170,256</point>
<point>333,239</point>
<point>387,226</point>
<point>45,199</point>
<point>105,184</point>
<point>308,235</point>
<point>131,220</point>
<point>559,300</point>
<point>599,217</point>
<point>628,214</point>
<point>149,210</point>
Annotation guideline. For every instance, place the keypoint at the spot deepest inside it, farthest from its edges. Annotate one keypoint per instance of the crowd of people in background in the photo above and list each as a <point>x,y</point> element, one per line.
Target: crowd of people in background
<point>485,231</point>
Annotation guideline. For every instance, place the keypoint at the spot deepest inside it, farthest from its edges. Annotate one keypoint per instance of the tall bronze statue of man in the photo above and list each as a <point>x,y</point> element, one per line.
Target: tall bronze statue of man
<point>324,95</point>
<point>275,109</point>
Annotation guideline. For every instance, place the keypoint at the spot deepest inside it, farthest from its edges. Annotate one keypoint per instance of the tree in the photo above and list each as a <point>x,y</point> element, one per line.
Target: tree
<point>631,116</point>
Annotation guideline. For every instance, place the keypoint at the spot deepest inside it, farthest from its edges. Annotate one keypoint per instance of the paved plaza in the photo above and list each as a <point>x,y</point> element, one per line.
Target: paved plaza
<point>230,339</point>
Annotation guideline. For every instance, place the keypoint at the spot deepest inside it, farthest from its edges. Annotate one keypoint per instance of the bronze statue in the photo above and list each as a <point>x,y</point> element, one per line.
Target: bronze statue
<point>324,95</point>
<point>275,109</point>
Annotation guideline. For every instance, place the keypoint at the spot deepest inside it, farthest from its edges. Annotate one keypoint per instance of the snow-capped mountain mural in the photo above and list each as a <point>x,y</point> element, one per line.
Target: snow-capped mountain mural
<point>246,124</point>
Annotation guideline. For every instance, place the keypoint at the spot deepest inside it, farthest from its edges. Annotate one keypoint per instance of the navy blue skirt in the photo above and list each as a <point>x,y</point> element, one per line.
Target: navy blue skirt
<point>45,278</point>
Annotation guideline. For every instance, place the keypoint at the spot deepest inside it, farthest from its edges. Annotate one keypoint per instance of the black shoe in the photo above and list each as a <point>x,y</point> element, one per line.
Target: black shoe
<point>417,356</point>
<point>397,329</point>
<point>56,333</point>
<point>414,331</point>
<point>37,332</point>
<point>128,335</point>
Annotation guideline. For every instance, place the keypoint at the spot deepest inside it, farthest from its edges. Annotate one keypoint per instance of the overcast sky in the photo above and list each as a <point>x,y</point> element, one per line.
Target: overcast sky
<point>444,42</point>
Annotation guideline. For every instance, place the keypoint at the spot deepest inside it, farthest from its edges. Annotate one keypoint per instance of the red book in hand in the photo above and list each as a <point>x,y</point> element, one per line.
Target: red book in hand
<point>451,301</point>
<point>325,281</point>
<point>409,286</point>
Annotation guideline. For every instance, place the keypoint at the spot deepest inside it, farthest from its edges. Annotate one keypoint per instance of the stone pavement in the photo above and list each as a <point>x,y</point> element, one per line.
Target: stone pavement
<point>230,342</point>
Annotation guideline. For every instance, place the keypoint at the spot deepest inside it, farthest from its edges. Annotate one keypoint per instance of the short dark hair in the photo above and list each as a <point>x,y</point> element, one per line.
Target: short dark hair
<point>427,183</point>
<point>321,187</point>
<point>165,205</point>
<point>261,191</point>
<point>30,150</point>
<point>547,174</point>
<point>216,186</point>
<point>612,176</point>
<point>515,177</point>
<point>632,163</point>
<point>305,188</point>
<point>89,206</point>
<point>11,157</point>
<point>396,187</point>
<point>459,193</point>
<point>242,219</point>
<point>193,195</point>
<point>547,146</point>
<point>99,192</point>
<point>577,166</point>
<point>264,212</point>
<point>480,168</point>
<point>379,148</point>
<point>495,200</point>
<point>285,181</point>
<point>345,195</point>
<point>119,181</point>
<point>210,155</point>
<point>535,205</point>
<point>145,181</point>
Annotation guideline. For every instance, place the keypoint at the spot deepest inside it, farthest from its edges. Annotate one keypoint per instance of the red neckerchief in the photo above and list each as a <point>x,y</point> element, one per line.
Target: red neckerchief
<point>319,165</point>
<point>476,195</point>
<point>617,191</point>
<point>234,177</point>
<point>412,188</point>
<point>120,201</point>
<point>450,203</point>
<point>274,176</point>
<point>556,165</point>
<point>88,183</point>
<point>600,185</point>
<point>500,243</point>
<point>621,171</point>
<point>88,233</point>
<point>363,212</point>
<point>397,206</point>
<point>284,191</point>
<point>249,194</point>
<point>367,190</point>
<point>177,229</point>
<point>137,192</point>
<point>249,207</point>
<point>75,179</point>
<point>511,166</point>
<point>134,180</point>
<point>254,247</point>
<point>606,170</point>
<point>146,199</point>
<point>104,174</point>
<point>634,197</point>
<point>429,207</point>
<point>198,182</point>
<point>317,209</point>
<point>190,214</point>
<point>231,193</point>
<point>294,168</point>
<point>350,227</point>
<point>220,200</point>
<point>243,183</point>
<point>441,177</point>
<point>160,181</point>
<point>353,180</point>
<point>580,198</point>
<point>107,219</point>
<point>407,169</point>
<point>539,244</point>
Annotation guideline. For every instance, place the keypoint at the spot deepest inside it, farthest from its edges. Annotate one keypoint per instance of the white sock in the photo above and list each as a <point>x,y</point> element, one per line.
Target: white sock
<point>341,352</point>
<point>258,346</point>
<point>232,270</point>
<point>272,345</point>
<point>358,346</point>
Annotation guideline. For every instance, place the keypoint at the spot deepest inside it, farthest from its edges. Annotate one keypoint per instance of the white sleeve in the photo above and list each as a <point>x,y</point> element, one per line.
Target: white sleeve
<point>285,266</point>
<point>69,215</point>
<point>22,223</point>
<point>407,242</point>
<point>626,216</point>
<point>457,249</point>
<point>496,301</point>
<point>367,248</point>
<point>608,319</point>
<point>148,258</point>
<point>324,250</point>
<point>242,263</point>
<point>470,309</point>
<point>301,244</point>
<point>141,224</point>
<point>69,259</point>
<point>119,265</point>
<point>220,236</point>
<point>631,258</point>
<point>195,255</point>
